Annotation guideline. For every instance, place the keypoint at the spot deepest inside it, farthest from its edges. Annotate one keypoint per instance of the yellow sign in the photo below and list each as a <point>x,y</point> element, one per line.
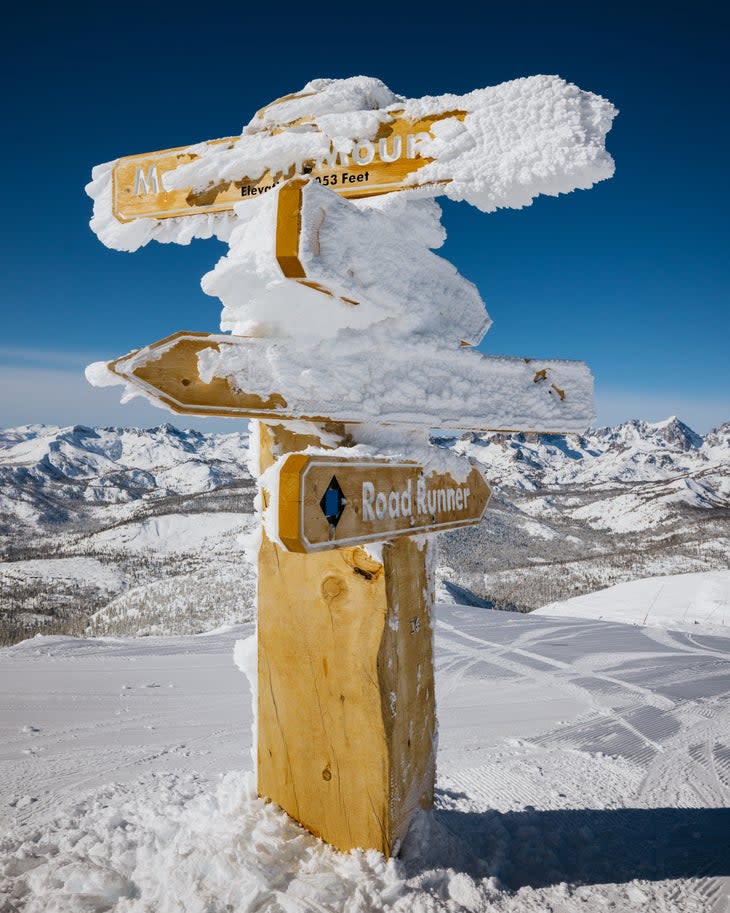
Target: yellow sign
<point>372,167</point>
<point>168,372</point>
<point>327,502</point>
<point>171,376</point>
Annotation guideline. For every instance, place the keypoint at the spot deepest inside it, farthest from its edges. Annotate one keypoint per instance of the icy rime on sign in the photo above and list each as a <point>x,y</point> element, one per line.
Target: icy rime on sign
<point>365,273</point>
<point>341,313</point>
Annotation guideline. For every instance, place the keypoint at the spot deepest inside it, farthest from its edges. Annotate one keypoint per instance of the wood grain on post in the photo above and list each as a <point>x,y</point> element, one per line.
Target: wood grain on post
<point>346,710</point>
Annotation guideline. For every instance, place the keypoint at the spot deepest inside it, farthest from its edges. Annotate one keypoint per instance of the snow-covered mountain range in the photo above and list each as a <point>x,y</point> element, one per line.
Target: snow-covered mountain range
<point>146,530</point>
<point>54,476</point>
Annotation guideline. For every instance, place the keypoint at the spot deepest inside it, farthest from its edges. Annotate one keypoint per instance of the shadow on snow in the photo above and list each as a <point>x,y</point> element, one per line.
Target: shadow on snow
<point>578,846</point>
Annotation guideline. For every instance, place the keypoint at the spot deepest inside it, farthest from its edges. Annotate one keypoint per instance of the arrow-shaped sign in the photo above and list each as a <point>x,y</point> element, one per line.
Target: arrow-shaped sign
<point>325,502</point>
<point>272,379</point>
<point>375,166</point>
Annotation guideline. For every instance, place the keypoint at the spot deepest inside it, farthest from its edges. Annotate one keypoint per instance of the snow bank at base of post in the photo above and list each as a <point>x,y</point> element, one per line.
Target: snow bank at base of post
<point>675,601</point>
<point>523,138</point>
<point>166,843</point>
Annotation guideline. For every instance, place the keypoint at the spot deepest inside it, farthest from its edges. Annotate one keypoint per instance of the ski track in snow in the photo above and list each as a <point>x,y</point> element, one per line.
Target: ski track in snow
<point>583,765</point>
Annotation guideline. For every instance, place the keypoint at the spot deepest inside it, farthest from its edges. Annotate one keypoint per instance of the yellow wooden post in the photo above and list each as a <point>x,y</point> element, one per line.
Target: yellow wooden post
<point>346,710</point>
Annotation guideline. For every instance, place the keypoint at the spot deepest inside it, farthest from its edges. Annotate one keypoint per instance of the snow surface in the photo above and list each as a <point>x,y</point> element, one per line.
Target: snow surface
<point>583,765</point>
<point>89,570</point>
<point>678,600</point>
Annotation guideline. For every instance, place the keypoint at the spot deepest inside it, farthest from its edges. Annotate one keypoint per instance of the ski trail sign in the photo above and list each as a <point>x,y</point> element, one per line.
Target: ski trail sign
<point>326,502</point>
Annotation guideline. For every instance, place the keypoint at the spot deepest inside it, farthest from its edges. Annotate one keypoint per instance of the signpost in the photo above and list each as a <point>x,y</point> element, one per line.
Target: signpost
<point>346,705</point>
<point>346,711</point>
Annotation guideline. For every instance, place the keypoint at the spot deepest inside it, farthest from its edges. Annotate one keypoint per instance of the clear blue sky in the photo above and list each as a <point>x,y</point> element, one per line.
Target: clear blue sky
<point>632,276</point>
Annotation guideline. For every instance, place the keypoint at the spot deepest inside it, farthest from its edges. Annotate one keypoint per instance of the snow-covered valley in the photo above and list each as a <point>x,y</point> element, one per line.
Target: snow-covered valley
<point>129,531</point>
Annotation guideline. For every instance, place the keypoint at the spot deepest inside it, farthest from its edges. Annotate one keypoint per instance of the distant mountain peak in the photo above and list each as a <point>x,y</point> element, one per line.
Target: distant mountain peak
<point>674,430</point>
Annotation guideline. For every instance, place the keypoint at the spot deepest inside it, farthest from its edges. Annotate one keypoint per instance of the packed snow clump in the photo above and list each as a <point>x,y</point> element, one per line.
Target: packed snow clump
<point>400,284</point>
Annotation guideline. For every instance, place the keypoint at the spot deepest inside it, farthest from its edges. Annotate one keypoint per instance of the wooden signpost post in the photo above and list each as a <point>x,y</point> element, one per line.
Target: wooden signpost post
<point>346,706</point>
<point>346,710</point>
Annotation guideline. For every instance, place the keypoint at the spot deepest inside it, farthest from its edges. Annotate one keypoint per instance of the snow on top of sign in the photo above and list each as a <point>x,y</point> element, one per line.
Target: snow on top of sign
<point>130,236</point>
<point>530,136</point>
<point>379,377</point>
<point>319,97</point>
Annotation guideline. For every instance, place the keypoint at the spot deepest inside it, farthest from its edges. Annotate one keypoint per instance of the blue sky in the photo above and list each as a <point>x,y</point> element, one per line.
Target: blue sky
<point>632,276</point>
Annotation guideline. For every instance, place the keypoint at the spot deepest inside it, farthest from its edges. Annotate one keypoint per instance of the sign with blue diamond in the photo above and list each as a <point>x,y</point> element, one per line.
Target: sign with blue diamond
<point>333,502</point>
<point>327,502</point>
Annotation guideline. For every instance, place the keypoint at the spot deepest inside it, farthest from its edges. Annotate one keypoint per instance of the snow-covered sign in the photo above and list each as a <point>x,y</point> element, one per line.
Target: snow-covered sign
<point>326,502</point>
<point>462,389</point>
<point>343,322</point>
<point>496,147</point>
<point>388,162</point>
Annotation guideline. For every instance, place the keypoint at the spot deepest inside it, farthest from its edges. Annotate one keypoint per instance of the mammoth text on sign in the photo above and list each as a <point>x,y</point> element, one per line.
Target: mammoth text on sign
<point>372,167</point>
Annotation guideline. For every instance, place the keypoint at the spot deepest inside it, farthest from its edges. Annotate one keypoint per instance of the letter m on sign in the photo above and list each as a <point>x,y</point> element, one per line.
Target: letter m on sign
<point>146,183</point>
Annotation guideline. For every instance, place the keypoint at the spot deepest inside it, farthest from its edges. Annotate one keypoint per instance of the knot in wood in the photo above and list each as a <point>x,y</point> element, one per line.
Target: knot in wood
<point>332,587</point>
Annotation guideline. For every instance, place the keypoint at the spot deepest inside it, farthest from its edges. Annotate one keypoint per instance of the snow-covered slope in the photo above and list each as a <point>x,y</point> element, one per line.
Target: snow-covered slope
<point>50,475</point>
<point>582,766</point>
<point>631,452</point>
<point>92,517</point>
<point>573,514</point>
<point>674,601</point>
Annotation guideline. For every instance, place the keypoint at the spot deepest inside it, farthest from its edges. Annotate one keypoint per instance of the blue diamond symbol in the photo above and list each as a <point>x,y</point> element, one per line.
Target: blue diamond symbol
<point>333,502</point>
